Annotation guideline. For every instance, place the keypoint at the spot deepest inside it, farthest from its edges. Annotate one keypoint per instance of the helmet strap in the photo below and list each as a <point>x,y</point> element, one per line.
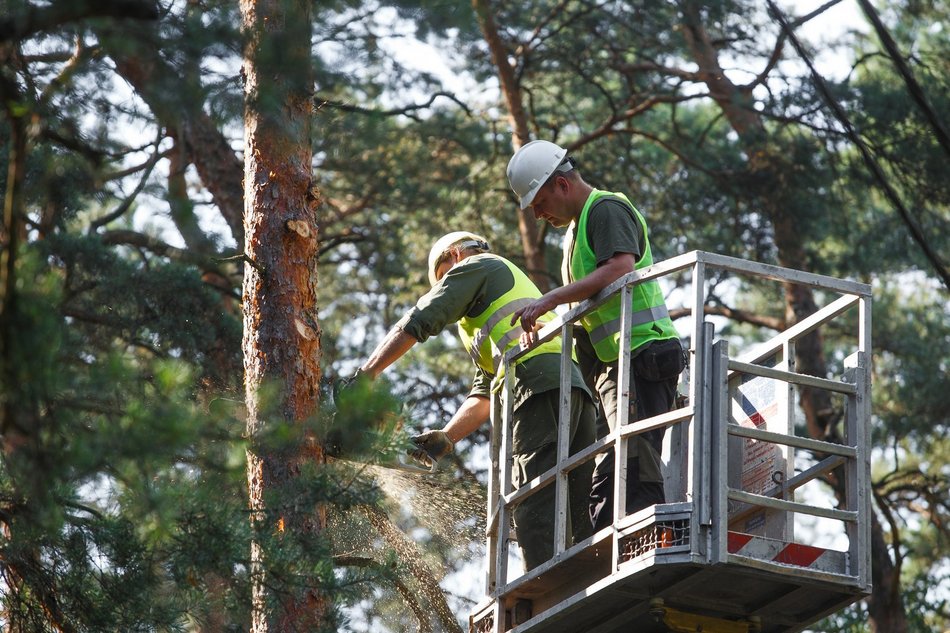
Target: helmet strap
<point>479,244</point>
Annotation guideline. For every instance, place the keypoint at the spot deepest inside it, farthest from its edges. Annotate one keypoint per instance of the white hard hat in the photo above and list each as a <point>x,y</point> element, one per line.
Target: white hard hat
<point>444,243</point>
<point>532,165</point>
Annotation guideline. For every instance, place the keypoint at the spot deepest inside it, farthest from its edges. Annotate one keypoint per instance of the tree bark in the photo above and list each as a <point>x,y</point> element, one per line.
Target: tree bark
<point>12,429</point>
<point>532,237</point>
<point>886,605</point>
<point>281,333</point>
<point>24,571</point>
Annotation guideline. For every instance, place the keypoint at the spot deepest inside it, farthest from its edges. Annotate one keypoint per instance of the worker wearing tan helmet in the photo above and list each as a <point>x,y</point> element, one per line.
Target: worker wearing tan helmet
<point>606,238</point>
<point>480,291</point>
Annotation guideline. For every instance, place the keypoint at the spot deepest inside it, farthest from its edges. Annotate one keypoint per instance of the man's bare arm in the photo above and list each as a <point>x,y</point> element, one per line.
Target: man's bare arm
<point>605,274</point>
<point>389,350</point>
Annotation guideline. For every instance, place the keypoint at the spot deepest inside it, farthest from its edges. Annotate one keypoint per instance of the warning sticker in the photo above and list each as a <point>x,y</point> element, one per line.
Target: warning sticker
<point>757,466</point>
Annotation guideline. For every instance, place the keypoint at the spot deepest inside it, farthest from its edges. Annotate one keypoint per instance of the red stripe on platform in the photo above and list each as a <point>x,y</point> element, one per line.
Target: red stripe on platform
<point>737,541</point>
<point>798,554</point>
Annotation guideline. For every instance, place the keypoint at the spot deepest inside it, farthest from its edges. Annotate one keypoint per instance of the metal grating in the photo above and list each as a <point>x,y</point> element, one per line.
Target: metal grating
<point>660,535</point>
<point>484,625</point>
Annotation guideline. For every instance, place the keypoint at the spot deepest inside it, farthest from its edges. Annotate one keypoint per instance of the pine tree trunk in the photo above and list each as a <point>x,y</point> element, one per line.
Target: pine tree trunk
<point>886,605</point>
<point>532,236</point>
<point>12,429</point>
<point>281,333</point>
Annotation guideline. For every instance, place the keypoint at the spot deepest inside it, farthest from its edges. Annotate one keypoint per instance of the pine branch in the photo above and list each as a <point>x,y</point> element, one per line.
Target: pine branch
<point>29,576</point>
<point>206,263</point>
<point>126,204</point>
<point>330,242</point>
<point>35,19</point>
<point>915,231</point>
<point>916,92</point>
<point>404,591</point>
<point>405,110</point>
<point>740,316</point>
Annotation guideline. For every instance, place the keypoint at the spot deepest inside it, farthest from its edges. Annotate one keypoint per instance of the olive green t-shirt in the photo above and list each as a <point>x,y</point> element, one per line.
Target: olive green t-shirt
<point>467,289</point>
<point>611,228</point>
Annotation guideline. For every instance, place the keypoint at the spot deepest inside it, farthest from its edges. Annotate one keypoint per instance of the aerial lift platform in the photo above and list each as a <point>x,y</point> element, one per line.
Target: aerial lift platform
<point>727,554</point>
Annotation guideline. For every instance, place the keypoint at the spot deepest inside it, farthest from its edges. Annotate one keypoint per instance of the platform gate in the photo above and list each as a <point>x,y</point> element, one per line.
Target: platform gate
<point>722,555</point>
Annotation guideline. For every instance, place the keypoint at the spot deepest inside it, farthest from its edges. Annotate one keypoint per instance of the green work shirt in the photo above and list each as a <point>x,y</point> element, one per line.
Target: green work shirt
<point>610,230</point>
<point>468,288</point>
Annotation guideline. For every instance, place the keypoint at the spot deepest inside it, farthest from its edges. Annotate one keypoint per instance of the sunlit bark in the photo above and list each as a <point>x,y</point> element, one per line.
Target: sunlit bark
<point>281,334</point>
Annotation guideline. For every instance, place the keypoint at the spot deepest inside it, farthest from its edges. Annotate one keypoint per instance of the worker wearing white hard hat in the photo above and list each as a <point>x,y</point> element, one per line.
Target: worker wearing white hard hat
<point>606,238</point>
<point>532,166</point>
<point>480,291</point>
<point>455,240</point>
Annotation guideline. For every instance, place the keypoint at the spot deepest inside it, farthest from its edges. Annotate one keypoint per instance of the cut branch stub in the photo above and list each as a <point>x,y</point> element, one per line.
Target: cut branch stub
<point>299,227</point>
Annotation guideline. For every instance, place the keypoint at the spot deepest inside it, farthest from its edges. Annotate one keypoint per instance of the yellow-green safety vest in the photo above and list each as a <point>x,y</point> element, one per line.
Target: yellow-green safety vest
<point>651,321</point>
<point>488,336</point>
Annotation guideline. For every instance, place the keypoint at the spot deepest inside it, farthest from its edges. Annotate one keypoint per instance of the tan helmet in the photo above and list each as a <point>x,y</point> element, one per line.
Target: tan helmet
<point>456,238</point>
<point>532,165</point>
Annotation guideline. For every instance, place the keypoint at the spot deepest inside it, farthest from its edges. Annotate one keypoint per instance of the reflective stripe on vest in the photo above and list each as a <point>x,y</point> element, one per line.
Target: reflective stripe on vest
<point>651,319</point>
<point>502,313</point>
<point>640,317</point>
<point>489,335</point>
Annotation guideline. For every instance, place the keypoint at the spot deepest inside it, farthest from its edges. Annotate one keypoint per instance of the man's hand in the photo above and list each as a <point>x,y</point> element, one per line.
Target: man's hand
<point>343,384</point>
<point>432,446</point>
<point>605,274</point>
<point>527,338</point>
<point>530,314</point>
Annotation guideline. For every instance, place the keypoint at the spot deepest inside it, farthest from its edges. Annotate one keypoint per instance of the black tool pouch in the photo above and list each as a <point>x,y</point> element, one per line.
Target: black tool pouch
<point>660,361</point>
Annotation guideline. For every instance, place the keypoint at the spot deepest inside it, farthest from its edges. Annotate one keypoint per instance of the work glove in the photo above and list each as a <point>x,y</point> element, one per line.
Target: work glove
<point>344,384</point>
<point>431,447</point>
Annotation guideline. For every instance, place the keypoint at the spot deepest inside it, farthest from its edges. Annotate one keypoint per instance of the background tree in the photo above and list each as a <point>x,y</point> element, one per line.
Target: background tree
<point>756,144</point>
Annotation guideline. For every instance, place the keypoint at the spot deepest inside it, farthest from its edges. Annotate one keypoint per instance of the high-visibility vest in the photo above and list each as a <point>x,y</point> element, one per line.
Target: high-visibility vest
<point>651,321</point>
<point>489,335</point>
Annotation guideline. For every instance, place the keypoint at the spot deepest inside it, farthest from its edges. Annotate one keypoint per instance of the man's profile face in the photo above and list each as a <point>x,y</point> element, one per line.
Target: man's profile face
<point>444,266</point>
<point>550,203</point>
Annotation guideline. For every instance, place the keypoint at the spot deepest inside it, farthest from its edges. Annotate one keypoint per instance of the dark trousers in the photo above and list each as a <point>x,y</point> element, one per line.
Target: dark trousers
<point>654,376</point>
<point>534,517</point>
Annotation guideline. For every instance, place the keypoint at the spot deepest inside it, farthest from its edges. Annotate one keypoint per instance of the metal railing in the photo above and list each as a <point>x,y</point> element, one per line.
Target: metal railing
<point>706,433</point>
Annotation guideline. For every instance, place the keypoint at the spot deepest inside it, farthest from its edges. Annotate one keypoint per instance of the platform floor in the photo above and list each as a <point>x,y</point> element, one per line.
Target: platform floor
<point>784,603</point>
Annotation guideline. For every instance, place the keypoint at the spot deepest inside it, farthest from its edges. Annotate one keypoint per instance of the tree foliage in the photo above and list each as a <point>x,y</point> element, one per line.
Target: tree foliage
<point>123,261</point>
